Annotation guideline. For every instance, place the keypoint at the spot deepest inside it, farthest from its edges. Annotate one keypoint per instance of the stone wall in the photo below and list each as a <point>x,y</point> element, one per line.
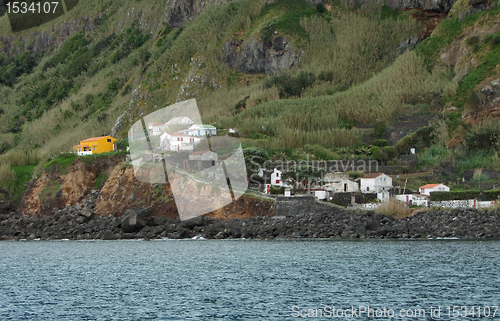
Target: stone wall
<point>360,198</point>
<point>301,205</point>
<point>453,204</point>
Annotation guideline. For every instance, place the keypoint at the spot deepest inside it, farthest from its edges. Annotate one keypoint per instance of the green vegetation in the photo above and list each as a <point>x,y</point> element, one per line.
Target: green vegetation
<point>354,77</point>
<point>491,195</point>
<point>50,190</point>
<point>14,182</point>
<point>101,179</point>
<point>434,155</point>
<point>287,16</point>
<point>61,164</point>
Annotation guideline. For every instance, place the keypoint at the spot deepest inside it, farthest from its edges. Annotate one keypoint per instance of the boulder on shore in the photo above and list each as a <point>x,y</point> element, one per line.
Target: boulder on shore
<point>135,219</point>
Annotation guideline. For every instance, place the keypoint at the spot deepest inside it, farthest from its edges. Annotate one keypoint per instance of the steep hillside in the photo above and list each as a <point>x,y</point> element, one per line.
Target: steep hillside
<point>335,79</point>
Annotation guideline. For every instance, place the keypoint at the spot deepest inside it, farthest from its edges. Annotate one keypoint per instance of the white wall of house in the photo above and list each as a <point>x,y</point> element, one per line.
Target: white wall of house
<point>375,185</point>
<point>175,142</point>
<point>415,199</point>
<point>320,194</point>
<point>201,130</point>
<point>276,178</point>
<point>342,186</point>
<point>84,153</point>
<point>155,129</point>
<point>439,188</point>
<point>383,196</point>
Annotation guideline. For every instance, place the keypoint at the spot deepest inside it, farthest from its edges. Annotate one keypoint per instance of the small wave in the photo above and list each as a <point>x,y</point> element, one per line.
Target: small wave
<point>443,238</point>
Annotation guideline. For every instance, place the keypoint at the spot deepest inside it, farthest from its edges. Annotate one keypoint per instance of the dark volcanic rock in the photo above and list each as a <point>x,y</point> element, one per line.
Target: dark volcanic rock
<point>251,56</point>
<point>135,219</point>
<point>107,235</point>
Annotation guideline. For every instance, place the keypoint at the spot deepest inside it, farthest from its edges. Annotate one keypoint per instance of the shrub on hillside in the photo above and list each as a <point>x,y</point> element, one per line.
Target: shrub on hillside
<point>485,136</point>
<point>290,85</point>
<point>380,143</point>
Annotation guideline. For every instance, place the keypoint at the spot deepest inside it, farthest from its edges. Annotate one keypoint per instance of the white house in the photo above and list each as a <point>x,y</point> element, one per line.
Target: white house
<point>414,199</point>
<point>375,183</point>
<point>319,193</point>
<point>427,189</point>
<point>276,178</point>
<point>339,183</point>
<point>177,142</point>
<point>201,130</point>
<point>155,129</point>
<point>383,196</point>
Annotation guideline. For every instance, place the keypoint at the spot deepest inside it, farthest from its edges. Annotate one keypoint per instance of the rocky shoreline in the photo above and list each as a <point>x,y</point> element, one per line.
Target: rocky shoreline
<point>81,222</point>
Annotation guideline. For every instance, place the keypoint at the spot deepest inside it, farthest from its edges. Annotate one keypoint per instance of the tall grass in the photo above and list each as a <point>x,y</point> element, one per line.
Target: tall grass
<point>434,155</point>
<point>480,159</point>
<point>22,157</point>
<point>378,99</point>
<point>7,174</point>
<point>394,208</point>
<point>352,48</point>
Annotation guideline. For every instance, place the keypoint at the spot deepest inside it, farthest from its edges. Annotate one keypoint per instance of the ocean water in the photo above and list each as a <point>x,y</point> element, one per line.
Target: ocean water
<point>249,280</point>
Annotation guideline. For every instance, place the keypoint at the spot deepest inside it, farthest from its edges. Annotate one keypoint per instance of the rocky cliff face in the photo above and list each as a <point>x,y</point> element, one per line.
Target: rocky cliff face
<point>53,190</point>
<point>70,193</point>
<point>39,41</point>
<point>252,56</point>
<point>489,105</point>
<point>180,11</point>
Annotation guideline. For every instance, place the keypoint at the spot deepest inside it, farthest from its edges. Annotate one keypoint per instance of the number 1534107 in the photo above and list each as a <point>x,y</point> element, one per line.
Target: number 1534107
<point>24,7</point>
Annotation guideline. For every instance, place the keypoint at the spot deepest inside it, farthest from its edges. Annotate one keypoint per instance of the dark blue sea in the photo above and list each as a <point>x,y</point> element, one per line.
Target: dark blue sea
<point>250,280</point>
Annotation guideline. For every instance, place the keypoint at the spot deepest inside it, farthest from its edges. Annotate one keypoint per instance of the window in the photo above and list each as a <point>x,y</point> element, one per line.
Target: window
<point>368,188</point>
<point>277,181</point>
<point>109,140</point>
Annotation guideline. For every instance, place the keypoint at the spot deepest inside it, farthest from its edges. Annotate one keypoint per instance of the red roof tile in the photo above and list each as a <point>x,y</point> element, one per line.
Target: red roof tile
<point>429,186</point>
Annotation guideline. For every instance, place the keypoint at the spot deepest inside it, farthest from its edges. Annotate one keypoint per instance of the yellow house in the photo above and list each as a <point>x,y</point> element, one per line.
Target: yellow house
<point>95,145</point>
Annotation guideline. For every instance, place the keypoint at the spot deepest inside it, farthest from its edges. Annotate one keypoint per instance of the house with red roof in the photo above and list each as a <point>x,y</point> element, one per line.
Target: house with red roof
<point>178,141</point>
<point>427,189</point>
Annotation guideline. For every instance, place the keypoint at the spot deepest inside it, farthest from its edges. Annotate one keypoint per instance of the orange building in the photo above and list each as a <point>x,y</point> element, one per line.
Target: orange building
<point>95,145</point>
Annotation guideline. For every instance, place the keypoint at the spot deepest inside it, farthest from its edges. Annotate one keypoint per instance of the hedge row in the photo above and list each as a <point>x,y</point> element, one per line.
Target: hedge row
<point>466,195</point>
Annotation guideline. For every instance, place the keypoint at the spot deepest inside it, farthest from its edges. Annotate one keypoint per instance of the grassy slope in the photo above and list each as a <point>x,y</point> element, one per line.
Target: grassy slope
<point>485,51</point>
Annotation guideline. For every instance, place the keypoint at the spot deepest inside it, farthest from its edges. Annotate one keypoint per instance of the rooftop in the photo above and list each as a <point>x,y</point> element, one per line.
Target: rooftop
<point>372,175</point>
<point>202,126</point>
<point>430,186</point>
<point>93,139</point>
